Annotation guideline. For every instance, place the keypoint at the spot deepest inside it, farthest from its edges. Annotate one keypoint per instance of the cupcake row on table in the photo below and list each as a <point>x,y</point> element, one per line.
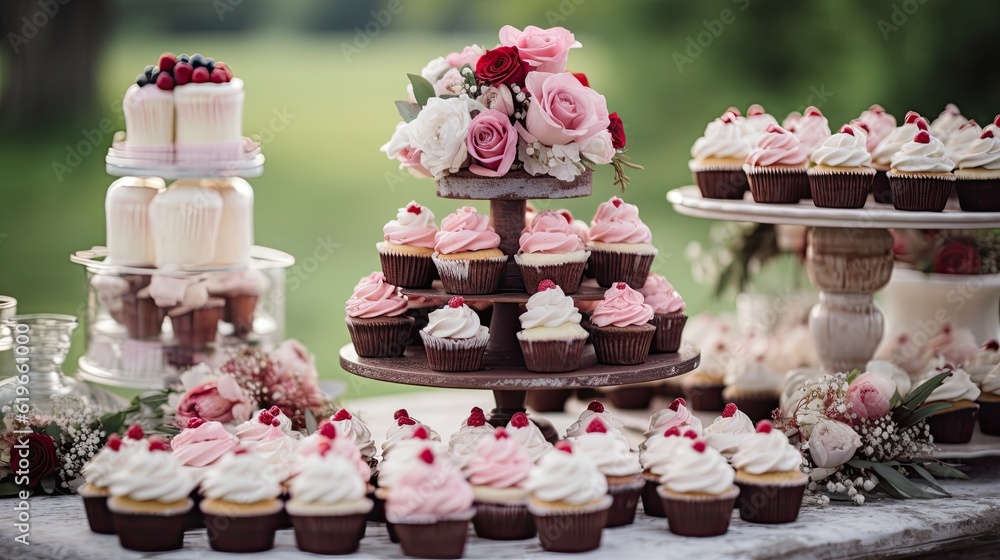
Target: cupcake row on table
<point>915,166</point>
<point>623,327</point>
<point>244,482</point>
<point>464,252</point>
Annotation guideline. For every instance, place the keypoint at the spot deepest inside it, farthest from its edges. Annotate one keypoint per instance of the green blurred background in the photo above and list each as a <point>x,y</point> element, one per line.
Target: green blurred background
<point>333,69</point>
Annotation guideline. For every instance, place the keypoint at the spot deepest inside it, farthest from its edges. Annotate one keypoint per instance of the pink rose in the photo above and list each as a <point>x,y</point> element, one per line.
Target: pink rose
<point>469,55</point>
<point>492,143</point>
<point>869,395</point>
<point>218,399</point>
<point>563,110</point>
<point>546,50</point>
<point>292,357</point>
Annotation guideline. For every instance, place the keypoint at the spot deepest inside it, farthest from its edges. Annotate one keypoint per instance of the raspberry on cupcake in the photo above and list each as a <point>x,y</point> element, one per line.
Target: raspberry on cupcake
<point>596,410</point>
<point>776,168</point>
<point>728,430</point>
<point>454,338</point>
<point>376,318</point>
<point>551,249</point>
<point>620,245</point>
<point>883,152</point>
<point>408,245</point>
<point>920,175</point>
<point>466,253</point>
<point>842,175</point>
<point>551,338</point>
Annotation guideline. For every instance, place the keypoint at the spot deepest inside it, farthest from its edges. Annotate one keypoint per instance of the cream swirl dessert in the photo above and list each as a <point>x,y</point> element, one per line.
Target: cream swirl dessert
<point>697,468</point>
<point>499,469</point>
<point>905,132</point>
<point>202,443</point>
<point>329,440</point>
<point>846,148</point>
<point>923,154</point>
<point>812,130</point>
<point>150,474</point>
<point>756,123</point>
<point>405,455</point>
<point>239,479</point>
<point>414,226</point>
<point>982,154</point>
<point>677,415</point>
<point>984,361</point>
<point>277,453</point>
<point>579,227</point>
<point>660,294</point>
<point>958,142</point>
<point>100,468</point>
<point>550,315</point>
<point>956,387</point>
<point>327,482</point>
<point>375,297</point>
<point>722,143</point>
<point>728,430</point>
<point>456,321</point>
<point>621,307</point>
<point>550,234</point>
<point>351,426</point>
<point>792,119</point>
<point>406,428</point>
<point>595,410</point>
<point>562,476</point>
<point>777,147</point>
<point>472,433</point>
<point>948,122</point>
<point>766,451</point>
<point>432,488</point>
<point>465,230</point>
<point>878,125</point>
<point>990,384</point>
<point>659,448</point>
<point>617,222</point>
<point>263,426</point>
<point>608,452</point>
<point>526,433</point>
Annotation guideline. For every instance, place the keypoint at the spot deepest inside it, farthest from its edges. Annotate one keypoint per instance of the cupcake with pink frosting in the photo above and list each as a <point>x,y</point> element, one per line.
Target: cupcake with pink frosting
<point>579,227</point>
<point>430,507</point>
<point>551,249</point>
<point>620,245</point>
<point>877,124</point>
<point>408,245</point>
<point>551,338</point>
<point>776,168</point>
<point>454,338</point>
<point>668,313</point>
<point>467,254</point>
<point>497,472</point>
<point>620,327</point>
<point>376,318</point>
<point>841,175</point>
<point>812,130</point>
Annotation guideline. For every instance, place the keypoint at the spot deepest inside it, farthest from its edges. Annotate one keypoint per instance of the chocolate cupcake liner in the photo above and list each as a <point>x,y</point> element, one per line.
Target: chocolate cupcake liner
<point>989,417</point>
<point>978,195</point>
<point>699,516</point>
<point>571,530</point>
<point>566,275</point>
<point>770,503</point>
<point>758,406</point>
<point>778,185</point>
<point>141,317</point>
<point>615,266</point>
<point>407,271</point>
<point>150,532</point>
<point>553,400</point>
<point>669,328</point>
<point>840,189</point>
<point>707,398</point>
<point>503,522</point>
<point>624,501</point>
<point>881,189</point>
<point>722,182</point>
<point>238,312</point>
<point>420,315</point>
<point>228,533</point>
<point>622,345</point>
<point>98,515</point>
<point>631,397</point>
<point>455,355</point>
<point>955,425</point>
<point>197,327</point>
<point>552,356</point>
<point>914,193</point>
<point>195,518</point>
<point>652,504</point>
<point>433,538</point>
<point>380,337</point>
<point>470,276</point>
<point>329,534</point>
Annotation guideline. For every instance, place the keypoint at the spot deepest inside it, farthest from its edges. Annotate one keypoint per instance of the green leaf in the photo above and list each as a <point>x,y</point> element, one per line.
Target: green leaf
<point>941,469</point>
<point>113,422</point>
<point>912,418</point>
<point>893,478</point>
<point>929,478</point>
<point>924,390</point>
<point>8,489</point>
<point>894,401</point>
<point>853,375</point>
<point>407,111</point>
<point>422,89</point>
<point>53,430</point>
<point>860,464</point>
<point>887,488</point>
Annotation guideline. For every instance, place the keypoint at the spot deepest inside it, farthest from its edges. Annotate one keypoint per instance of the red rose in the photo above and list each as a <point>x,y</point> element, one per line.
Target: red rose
<point>36,457</point>
<point>617,130</point>
<point>582,77</point>
<point>501,65</point>
<point>957,258</point>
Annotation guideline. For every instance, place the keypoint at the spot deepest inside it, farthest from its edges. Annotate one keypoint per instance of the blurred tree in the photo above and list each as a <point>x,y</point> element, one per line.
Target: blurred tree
<point>53,49</point>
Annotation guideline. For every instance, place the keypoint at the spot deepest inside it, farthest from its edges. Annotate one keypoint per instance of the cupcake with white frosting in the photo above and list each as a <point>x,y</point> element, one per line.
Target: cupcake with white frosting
<point>403,429</point>
<point>957,422</point>
<point>698,491</point>
<point>948,122</point>
<point>97,473</point>
<point>241,504</point>
<point>989,402</point>
<point>525,432</point>
<point>728,430</point>
<point>352,426</point>
<point>841,174</point>
<point>620,466</point>
<point>594,410</point>
<point>551,338</point>
<point>454,338</point>
<point>717,158</point>
<point>958,142</point>
<point>676,415</point>
<point>767,472</point>
<point>920,174</point>
<point>978,173</point>
<point>474,431</point>
<point>886,148</point>
<point>655,454</point>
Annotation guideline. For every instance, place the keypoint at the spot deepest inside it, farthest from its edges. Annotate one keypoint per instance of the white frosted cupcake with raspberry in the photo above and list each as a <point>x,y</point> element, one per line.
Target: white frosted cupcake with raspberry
<point>841,175</point>
<point>454,338</point>
<point>551,338</point>
<point>698,491</point>
<point>920,174</point>
<point>470,435</point>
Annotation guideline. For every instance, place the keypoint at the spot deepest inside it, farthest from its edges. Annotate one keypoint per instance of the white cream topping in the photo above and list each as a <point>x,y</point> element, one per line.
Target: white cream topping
<point>550,308</point>
<point>241,479</point>
<point>453,322</point>
<point>150,476</point>
<point>611,455</point>
<point>566,477</point>
<point>843,150</point>
<point>917,157</point>
<point>327,480</point>
<point>768,452</point>
<point>721,140</point>
<point>703,471</point>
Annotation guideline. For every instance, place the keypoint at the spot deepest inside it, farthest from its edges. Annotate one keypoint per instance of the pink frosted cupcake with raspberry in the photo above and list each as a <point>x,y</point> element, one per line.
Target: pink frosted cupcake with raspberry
<point>409,243</point>
<point>620,327</point>
<point>579,227</point>
<point>467,254</point>
<point>812,130</point>
<point>776,168</point>
<point>497,472</point>
<point>620,245</point>
<point>877,123</point>
<point>550,249</point>
<point>376,318</point>
<point>454,338</point>
<point>668,313</point>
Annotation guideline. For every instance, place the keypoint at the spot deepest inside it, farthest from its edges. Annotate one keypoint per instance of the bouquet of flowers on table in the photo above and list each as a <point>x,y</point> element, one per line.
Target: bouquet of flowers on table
<point>513,107</point>
<point>948,251</point>
<point>859,436</point>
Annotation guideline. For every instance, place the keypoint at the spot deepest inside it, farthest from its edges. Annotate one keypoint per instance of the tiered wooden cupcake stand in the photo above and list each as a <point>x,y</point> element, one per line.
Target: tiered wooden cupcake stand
<point>504,372</point>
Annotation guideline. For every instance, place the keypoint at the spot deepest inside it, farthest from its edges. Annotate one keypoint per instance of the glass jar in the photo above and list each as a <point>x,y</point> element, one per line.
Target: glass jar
<point>8,308</point>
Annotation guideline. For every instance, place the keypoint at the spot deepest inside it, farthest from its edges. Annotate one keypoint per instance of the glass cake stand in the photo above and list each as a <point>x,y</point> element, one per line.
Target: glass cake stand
<point>123,162</point>
<point>504,372</point>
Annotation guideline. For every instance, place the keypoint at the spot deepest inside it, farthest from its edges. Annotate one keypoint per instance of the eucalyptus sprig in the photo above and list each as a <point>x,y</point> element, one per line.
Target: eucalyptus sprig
<point>620,161</point>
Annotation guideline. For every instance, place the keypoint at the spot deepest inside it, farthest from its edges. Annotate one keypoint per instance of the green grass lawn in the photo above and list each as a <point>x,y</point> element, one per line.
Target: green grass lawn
<point>325,183</point>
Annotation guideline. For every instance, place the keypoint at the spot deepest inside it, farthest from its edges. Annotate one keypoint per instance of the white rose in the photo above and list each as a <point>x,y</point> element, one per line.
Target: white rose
<point>434,69</point>
<point>832,443</point>
<point>439,131</point>
<point>598,148</point>
<point>450,83</point>
<point>498,97</point>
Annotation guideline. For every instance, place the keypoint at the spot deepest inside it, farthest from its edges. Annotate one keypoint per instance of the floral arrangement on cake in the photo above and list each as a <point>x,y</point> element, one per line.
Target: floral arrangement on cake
<point>949,251</point>
<point>513,107</point>
<point>859,437</point>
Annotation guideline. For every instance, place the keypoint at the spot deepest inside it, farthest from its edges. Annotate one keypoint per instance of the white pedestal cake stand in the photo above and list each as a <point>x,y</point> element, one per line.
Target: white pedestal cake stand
<point>848,258</point>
